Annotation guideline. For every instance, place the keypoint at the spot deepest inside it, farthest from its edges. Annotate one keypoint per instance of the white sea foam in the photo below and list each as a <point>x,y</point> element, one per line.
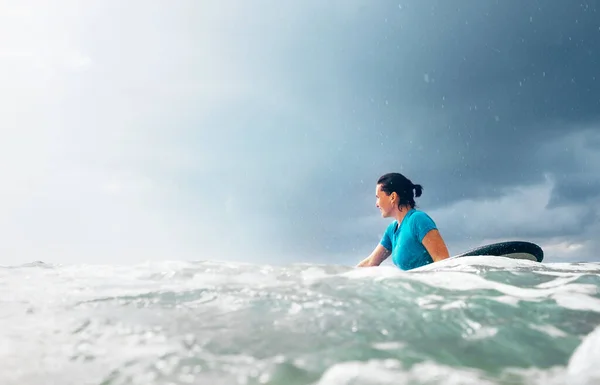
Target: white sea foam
<point>583,368</point>
<point>207,322</point>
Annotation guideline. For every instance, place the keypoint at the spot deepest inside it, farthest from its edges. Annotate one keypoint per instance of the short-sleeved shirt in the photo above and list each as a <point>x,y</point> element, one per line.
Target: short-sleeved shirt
<point>405,241</point>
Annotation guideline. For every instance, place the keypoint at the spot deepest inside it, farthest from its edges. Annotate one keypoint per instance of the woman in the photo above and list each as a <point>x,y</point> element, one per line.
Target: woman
<point>413,239</point>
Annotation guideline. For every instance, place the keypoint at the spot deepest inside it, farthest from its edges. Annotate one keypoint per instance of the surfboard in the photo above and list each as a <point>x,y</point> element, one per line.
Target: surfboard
<point>509,249</point>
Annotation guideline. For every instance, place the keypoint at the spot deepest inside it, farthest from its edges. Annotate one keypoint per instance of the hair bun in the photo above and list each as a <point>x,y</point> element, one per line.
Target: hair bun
<point>418,189</point>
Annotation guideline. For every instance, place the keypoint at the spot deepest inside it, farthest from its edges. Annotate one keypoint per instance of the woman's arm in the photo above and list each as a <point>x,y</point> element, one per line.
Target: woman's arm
<point>378,255</point>
<point>435,245</point>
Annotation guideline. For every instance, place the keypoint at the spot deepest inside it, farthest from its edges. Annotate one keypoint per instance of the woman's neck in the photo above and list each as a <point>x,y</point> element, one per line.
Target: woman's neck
<point>401,213</point>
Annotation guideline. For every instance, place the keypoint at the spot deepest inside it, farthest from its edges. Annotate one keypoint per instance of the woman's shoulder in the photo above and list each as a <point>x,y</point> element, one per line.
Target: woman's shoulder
<point>420,216</point>
<point>421,224</point>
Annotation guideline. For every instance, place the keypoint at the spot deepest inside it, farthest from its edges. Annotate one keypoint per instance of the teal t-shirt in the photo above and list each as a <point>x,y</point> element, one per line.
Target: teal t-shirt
<point>404,241</point>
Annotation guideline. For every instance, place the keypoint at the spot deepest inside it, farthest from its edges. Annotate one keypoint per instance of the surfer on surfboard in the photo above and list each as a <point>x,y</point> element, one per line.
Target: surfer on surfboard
<point>413,239</point>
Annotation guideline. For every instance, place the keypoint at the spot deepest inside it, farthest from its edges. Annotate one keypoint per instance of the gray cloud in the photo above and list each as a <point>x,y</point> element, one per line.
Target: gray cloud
<point>257,131</point>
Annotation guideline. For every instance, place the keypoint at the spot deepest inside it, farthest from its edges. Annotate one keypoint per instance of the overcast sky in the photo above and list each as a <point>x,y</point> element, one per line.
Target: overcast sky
<point>256,130</point>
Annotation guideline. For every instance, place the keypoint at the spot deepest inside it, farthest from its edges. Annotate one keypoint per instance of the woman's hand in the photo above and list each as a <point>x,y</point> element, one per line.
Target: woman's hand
<point>378,255</point>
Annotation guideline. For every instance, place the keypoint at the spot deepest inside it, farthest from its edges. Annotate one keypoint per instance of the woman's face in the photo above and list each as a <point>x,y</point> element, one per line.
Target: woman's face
<point>384,202</point>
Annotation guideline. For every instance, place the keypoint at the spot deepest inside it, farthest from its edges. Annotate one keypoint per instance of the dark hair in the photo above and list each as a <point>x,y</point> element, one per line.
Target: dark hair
<point>401,185</point>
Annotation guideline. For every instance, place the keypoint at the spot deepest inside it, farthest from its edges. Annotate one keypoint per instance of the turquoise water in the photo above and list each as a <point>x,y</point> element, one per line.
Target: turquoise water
<point>473,320</point>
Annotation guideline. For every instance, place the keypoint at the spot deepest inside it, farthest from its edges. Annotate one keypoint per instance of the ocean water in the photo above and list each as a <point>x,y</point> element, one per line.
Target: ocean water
<point>475,320</point>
